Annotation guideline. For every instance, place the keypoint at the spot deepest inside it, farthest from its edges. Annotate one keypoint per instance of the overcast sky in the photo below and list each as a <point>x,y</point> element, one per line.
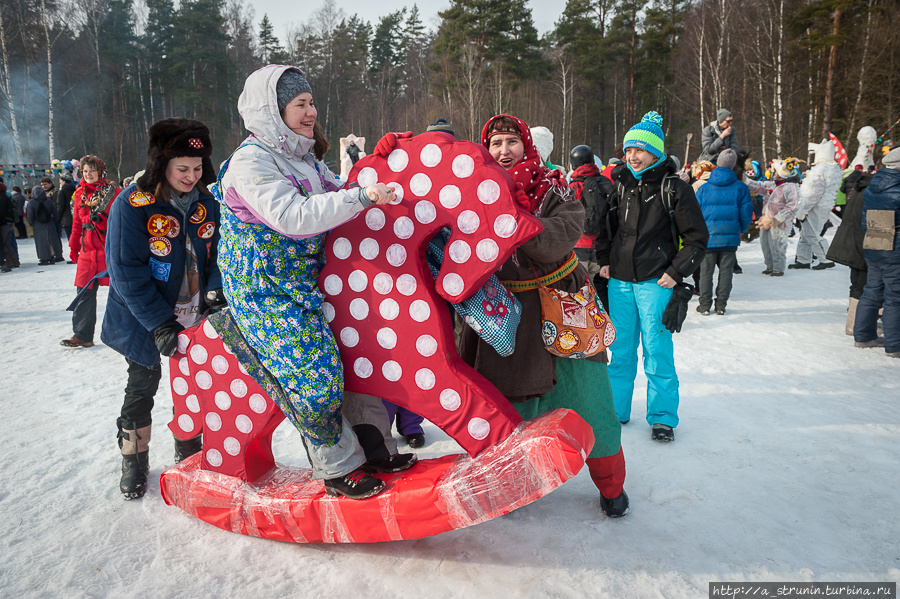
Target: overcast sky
<point>284,12</point>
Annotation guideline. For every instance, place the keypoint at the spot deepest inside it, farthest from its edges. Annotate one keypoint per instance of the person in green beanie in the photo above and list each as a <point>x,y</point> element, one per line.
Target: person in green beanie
<point>654,237</point>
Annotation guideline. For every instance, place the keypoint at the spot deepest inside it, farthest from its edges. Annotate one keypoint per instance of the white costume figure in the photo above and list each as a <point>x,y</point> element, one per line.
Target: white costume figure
<point>817,195</point>
<point>866,137</point>
<point>352,149</point>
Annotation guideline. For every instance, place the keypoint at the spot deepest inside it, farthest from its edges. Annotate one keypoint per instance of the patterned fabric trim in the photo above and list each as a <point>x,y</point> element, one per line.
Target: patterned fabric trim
<point>556,275</point>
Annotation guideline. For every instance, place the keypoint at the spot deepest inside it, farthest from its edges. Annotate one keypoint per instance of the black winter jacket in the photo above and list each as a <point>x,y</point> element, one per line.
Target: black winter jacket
<point>637,241</point>
<point>846,247</point>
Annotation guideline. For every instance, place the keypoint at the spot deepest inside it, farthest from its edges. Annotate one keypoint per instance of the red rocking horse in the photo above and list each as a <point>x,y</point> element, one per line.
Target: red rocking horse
<point>395,334</point>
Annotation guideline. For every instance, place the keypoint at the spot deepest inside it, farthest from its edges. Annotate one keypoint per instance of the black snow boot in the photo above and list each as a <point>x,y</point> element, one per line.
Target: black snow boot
<point>615,508</point>
<point>185,449</point>
<point>135,446</point>
<point>356,485</point>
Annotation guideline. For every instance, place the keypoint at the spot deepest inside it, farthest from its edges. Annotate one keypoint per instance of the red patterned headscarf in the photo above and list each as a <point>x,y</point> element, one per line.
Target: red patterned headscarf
<point>529,174</point>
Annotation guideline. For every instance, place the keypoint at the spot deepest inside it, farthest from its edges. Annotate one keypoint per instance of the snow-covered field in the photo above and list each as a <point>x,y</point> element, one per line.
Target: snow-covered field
<point>786,467</point>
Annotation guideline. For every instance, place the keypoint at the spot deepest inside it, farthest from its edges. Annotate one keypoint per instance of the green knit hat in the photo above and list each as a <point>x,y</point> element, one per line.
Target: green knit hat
<point>647,135</point>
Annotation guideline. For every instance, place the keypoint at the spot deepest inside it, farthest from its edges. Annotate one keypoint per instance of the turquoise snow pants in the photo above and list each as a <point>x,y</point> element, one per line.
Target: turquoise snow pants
<point>636,310</point>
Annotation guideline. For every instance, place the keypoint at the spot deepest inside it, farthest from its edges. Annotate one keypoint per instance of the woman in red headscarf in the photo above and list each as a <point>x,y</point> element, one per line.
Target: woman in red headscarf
<point>532,378</point>
<point>92,200</point>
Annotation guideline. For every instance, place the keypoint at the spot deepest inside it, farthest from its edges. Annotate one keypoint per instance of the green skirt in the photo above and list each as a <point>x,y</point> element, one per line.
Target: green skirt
<point>583,386</point>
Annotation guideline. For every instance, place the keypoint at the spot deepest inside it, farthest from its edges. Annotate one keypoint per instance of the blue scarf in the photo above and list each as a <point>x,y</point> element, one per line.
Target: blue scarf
<point>638,176</point>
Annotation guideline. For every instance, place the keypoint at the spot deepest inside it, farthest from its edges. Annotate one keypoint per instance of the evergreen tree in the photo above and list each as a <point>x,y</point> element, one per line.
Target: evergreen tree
<point>270,49</point>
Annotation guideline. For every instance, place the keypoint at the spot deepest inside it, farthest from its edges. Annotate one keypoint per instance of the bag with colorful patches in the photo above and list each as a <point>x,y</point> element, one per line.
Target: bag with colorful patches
<point>492,311</point>
<point>574,325</point>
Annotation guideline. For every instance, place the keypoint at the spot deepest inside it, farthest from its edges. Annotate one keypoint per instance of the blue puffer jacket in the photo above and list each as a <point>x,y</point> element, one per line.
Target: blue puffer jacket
<point>883,193</point>
<point>727,209</point>
<point>146,270</point>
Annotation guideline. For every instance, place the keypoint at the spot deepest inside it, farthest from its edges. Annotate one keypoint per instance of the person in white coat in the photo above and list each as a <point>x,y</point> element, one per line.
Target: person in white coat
<point>817,195</point>
<point>279,202</point>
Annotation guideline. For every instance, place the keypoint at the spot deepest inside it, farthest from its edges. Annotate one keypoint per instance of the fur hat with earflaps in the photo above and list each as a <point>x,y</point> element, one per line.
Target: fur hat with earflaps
<point>175,138</point>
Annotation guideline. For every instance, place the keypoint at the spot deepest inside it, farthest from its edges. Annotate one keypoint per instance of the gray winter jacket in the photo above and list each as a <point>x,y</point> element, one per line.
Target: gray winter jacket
<point>711,143</point>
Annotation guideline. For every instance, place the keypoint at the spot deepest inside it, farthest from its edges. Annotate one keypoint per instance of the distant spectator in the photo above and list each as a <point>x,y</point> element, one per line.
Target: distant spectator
<point>41,214</point>
<point>64,202</point>
<point>19,200</point>
<point>55,243</point>
<point>718,136</point>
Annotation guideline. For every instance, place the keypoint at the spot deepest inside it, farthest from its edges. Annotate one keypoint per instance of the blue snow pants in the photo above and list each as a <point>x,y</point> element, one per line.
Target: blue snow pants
<point>636,310</point>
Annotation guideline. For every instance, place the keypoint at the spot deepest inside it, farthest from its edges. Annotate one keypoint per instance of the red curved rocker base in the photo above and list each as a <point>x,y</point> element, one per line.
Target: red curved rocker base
<point>434,496</point>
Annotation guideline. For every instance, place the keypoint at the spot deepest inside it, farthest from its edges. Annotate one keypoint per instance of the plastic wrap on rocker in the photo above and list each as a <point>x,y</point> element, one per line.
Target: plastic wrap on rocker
<point>435,496</point>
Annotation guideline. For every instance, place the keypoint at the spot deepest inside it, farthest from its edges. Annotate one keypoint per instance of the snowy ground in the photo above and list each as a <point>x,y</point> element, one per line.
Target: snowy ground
<point>785,468</point>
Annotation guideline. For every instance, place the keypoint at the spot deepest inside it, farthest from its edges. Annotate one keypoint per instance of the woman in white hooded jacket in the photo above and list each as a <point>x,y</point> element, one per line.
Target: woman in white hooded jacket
<point>279,202</point>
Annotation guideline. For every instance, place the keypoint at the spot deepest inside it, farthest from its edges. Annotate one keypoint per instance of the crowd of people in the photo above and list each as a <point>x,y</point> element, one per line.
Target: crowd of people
<point>648,232</point>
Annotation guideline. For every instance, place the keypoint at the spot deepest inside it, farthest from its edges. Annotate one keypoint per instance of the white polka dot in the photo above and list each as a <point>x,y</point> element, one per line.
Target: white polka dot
<point>488,191</point>
<point>389,309</point>
<point>363,368</point>
<point>341,248</point>
<point>450,400</point>
<point>204,381</point>
<point>387,338</point>
<point>424,379</point>
<point>231,446</point>
<point>333,285</point>
<point>369,249</point>
<point>468,222</point>
<point>243,424</point>
<point>184,366</point>
<point>328,311</point>
<point>213,421</point>
<point>359,309</point>
<point>460,251</point>
<point>214,458</point>
<point>404,227</point>
<point>238,388</point>
<point>179,385</point>
<point>192,403</point>
<point>398,193</point>
<point>242,369</point>
<point>383,283</point>
<point>227,349</point>
<point>392,371</point>
<point>349,337</point>
<point>430,155</point>
<point>186,423</point>
<point>220,364</point>
<point>505,226</point>
<point>425,212</point>
<point>375,219</point>
<point>396,255</point>
<point>183,343</point>
<point>209,330</point>
<point>453,284</point>
<point>419,310</point>
<point>367,176</point>
<point>420,184</point>
<point>223,400</point>
<point>487,250</point>
<point>463,166</point>
<point>406,284</point>
<point>199,354</point>
<point>479,428</point>
<point>358,281</point>
<point>257,403</point>
<point>398,160</point>
<point>450,196</point>
<point>426,345</point>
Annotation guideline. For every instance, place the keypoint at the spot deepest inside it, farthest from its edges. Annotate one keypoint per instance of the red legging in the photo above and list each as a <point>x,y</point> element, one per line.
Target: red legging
<point>608,474</point>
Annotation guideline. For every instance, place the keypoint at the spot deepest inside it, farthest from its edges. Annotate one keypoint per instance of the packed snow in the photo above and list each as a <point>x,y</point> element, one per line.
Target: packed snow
<point>785,468</point>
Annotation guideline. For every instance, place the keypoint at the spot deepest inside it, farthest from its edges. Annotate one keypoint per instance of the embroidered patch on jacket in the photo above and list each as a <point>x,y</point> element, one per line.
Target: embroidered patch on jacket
<point>159,270</point>
<point>159,225</point>
<point>199,214</point>
<point>160,246</point>
<point>207,230</point>
<point>140,198</point>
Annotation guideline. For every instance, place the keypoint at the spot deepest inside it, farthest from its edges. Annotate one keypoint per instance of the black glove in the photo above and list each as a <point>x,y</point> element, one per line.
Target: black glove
<point>676,310</point>
<point>165,336</point>
<point>215,300</point>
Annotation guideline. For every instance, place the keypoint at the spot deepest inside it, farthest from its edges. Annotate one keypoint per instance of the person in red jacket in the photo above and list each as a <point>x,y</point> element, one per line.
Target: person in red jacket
<point>93,199</point>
